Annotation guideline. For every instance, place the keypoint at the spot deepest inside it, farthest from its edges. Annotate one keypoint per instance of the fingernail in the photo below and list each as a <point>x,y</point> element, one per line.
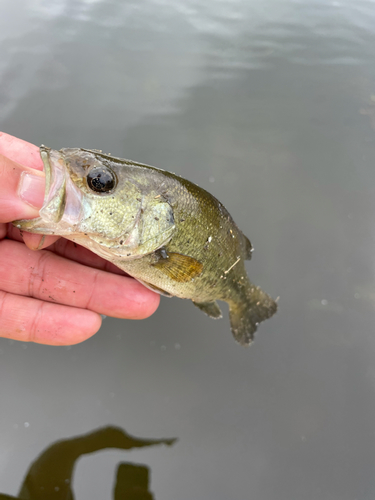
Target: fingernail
<point>31,189</point>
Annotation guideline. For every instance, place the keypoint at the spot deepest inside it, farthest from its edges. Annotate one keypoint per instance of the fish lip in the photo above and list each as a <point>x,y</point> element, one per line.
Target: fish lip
<point>62,199</point>
<point>44,154</point>
<point>55,190</point>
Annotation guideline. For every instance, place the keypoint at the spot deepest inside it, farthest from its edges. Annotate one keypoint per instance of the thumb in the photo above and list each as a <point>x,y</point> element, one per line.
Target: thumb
<point>21,191</point>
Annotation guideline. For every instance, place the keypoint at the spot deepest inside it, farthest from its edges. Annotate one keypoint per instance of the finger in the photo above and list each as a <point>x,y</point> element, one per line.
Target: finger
<point>44,275</point>
<point>37,241</point>
<point>20,151</point>
<point>27,154</point>
<point>82,255</point>
<point>72,251</point>
<point>21,196</point>
<point>3,230</point>
<point>32,241</point>
<point>21,191</point>
<point>32,320</point>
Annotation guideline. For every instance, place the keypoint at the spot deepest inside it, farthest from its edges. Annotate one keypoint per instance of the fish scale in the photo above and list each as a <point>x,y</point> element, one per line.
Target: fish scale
<point>165,231</point>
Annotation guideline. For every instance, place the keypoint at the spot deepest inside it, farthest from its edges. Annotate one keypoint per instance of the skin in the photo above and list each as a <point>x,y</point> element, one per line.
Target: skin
<point>54,296</point>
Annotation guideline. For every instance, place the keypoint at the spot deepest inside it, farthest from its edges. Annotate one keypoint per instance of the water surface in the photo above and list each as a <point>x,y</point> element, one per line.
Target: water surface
<point>270,105</point>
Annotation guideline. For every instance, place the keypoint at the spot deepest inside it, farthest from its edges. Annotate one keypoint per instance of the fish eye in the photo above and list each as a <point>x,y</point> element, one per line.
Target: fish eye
<point>101,179</point>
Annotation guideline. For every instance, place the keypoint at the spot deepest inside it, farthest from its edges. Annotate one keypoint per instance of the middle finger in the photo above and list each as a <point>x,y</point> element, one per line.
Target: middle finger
<point>46,276</point>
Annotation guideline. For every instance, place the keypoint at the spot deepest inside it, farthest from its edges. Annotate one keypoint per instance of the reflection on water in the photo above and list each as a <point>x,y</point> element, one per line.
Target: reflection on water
<point>268,104</point>
<point>51,474</point>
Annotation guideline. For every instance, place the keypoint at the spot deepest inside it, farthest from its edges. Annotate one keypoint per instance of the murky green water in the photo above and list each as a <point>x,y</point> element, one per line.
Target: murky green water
<point>270,105</point>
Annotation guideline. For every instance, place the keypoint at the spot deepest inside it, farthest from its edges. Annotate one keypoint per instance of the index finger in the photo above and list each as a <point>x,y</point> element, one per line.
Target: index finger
<point>20,151</point>
<point>25,154</point>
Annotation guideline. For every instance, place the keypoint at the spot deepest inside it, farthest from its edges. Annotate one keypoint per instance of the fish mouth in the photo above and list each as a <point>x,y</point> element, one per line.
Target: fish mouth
<point>62,206</point>
<point>62,198</point>
<point>55,190</point>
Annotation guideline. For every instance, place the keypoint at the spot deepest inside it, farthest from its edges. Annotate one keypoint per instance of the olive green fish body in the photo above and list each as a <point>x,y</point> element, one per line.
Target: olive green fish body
<point>163,230</point>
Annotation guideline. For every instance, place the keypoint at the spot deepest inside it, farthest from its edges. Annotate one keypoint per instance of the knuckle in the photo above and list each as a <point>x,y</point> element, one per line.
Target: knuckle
<point>35,321</point>
<point>37,276</point>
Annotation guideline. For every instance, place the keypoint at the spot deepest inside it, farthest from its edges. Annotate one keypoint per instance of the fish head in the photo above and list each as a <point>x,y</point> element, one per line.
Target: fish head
<point>101,202</point>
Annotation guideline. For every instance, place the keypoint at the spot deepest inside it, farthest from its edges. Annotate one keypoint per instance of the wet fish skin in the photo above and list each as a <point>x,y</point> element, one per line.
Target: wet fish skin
<point>165,231</point>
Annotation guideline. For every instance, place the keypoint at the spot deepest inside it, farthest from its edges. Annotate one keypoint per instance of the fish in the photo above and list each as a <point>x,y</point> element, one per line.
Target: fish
<point>165,231</point>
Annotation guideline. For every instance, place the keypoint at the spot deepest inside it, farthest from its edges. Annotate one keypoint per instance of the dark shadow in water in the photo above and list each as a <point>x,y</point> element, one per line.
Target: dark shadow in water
<point>50,475</point>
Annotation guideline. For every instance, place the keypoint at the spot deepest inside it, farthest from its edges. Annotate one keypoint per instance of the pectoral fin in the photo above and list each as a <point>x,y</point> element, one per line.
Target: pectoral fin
<point>210,308</point>
<point>178,267</point>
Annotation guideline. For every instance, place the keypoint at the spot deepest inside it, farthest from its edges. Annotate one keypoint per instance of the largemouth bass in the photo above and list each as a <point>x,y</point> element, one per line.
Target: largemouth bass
<point>168,233</point>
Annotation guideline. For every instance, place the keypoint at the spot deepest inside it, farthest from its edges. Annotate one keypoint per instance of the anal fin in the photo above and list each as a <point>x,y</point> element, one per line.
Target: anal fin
<point>212,309</point>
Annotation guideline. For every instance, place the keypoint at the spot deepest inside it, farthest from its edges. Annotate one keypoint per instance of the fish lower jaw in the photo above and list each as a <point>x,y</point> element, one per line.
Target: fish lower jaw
<point>106,251</point>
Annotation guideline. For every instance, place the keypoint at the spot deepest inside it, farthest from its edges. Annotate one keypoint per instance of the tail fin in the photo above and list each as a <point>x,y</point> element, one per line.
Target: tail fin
<point>249,312</point>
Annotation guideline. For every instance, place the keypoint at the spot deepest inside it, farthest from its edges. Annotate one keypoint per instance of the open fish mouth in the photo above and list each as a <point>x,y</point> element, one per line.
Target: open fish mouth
<point>55,190</point>
<point>62,199</point>
<point>62,206</point>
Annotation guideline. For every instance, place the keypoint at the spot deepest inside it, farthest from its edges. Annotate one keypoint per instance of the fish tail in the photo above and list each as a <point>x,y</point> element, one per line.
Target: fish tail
<point>245,315</point>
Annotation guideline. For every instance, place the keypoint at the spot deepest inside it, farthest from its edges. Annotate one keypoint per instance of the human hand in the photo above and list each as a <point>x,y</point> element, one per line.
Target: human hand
<point>53,296</point>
